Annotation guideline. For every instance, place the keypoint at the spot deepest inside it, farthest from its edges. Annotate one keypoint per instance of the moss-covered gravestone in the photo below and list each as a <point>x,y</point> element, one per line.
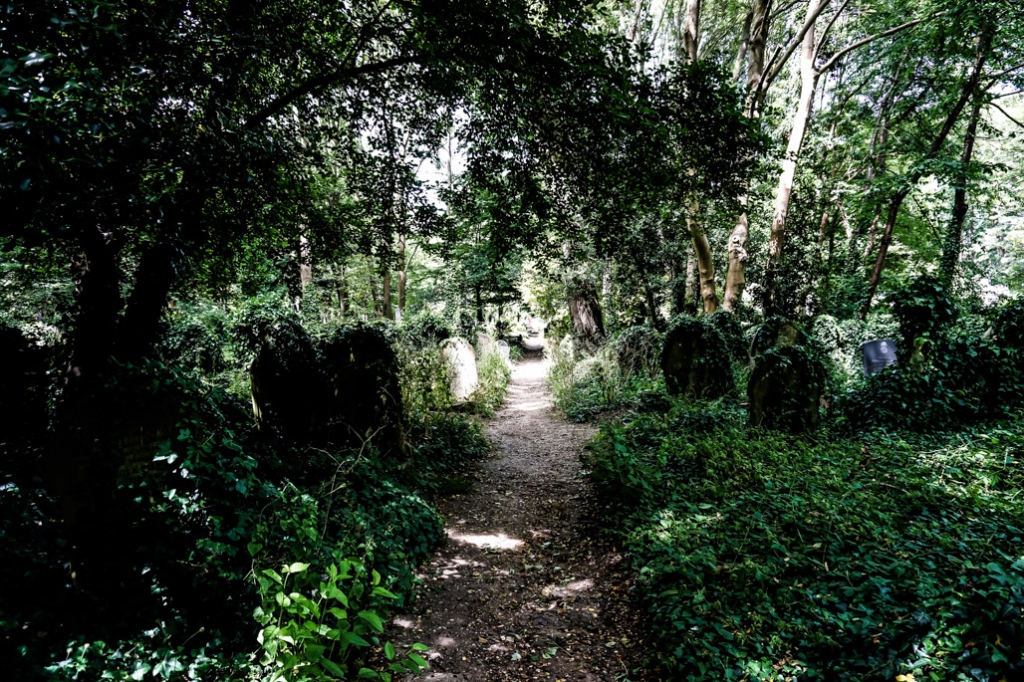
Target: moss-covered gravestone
<point>364,396</point>
<point>638,350</point>
<point>785,389</point>
<point>695,361</point>
<point>777,332</point>
<point>287,384</point>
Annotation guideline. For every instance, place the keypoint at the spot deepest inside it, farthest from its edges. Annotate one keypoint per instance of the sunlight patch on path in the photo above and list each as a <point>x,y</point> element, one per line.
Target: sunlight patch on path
<point>494,541</point>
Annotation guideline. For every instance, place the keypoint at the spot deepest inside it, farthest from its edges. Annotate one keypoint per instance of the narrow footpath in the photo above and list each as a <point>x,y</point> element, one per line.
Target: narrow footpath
<point>526,588</point>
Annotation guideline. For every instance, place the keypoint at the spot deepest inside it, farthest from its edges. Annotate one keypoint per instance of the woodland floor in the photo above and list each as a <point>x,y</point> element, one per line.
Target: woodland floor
<point>527,587</point>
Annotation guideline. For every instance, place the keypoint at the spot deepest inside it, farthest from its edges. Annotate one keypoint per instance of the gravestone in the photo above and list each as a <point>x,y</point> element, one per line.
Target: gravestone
<point>878,355</point>
<point>286,381</point>
<point>784,391</point>
<point>638,350</point>
<point>363,400</point>
<point>503,350</point>
<point>485,345</point>
<point>694,362</point>
<point>461,359</point>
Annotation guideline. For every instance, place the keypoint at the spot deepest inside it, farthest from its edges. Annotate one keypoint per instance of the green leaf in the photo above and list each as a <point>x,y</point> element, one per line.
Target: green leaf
<point>389,651</point>
<point>366,672</point>
<point>297,567</point>
<point>381,592</point>
<point>333,668</point>
<point>373,619</point>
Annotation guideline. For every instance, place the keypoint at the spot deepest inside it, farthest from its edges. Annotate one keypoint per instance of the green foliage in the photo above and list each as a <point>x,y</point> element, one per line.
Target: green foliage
<point>425,330</point>
<point>493,376</point>
<point>1009,325</point>
<point>584,388</point>
<point>313,620</point>
<point>445,445</point>
<point>924,312</point>
<point>763,555</point>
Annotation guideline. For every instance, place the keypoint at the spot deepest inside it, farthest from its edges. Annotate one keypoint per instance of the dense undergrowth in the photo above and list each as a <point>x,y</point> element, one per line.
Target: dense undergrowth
<point>234,552</point>
<point>767,556</point>
<point>887,543</point>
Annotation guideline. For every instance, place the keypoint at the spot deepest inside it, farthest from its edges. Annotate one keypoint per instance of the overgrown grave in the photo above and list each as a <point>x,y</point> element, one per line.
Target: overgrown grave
<point>694,360</point>
<point>788,381</point>
<point>341,391</point>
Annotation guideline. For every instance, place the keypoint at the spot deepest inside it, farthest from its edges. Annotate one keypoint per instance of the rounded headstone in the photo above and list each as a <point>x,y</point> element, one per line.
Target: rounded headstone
<point>504,350</point>
<point>638,350</point>
<point>461,359</point>
<point>784,391</point>
<point>364,395</point>
<point>485,345</point>
<point>694,360</point>
<point>287,385</point>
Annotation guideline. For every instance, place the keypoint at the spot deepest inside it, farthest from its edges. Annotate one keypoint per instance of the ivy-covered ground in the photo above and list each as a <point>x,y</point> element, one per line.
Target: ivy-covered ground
<point>764,556</point>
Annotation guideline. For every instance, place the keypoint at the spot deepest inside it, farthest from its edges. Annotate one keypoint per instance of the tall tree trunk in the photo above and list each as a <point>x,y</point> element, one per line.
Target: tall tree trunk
<point>970,86</point>
<point>776,240</point>
<point>701,247</point>
<point>342,285</point>
<point>705,263</point>
<point>741,53</point>
<point>735,275</point>
<point>954,233</point>
<point>691,34</point>
<point>402,274</point>
<point>692,276</point>
<point>479,305</point>
<point>585,312</point>
<point>305,266</point>
<point>388,310</point>
<point>760,21</point>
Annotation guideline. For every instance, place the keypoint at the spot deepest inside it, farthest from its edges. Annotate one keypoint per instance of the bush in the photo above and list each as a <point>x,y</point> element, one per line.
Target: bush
<point>763,556</point>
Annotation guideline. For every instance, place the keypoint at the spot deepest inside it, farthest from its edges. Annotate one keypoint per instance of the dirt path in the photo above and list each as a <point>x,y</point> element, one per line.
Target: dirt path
<point>526,589</point>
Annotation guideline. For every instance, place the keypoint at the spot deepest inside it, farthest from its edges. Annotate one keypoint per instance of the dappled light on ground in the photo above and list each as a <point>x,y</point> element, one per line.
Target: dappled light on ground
<point>523,589</point>
<point>494,541</point>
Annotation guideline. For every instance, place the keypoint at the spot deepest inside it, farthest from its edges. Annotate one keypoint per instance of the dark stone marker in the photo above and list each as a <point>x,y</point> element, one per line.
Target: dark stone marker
<point>694,360</point>
<point>878,355</point>
<point>785,390</point>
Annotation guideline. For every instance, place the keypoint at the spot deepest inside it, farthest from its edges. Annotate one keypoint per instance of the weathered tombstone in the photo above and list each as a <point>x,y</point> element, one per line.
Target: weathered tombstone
<point>878,355</point>
<point>777,332</point>
<point>461,359</point>
<point>694,361</point>
<point>785,388</point>
<point>485,345</point>
<point>364,399</point>
<point>638,350</point>
<point>504,350</point>
<point>287,384</point>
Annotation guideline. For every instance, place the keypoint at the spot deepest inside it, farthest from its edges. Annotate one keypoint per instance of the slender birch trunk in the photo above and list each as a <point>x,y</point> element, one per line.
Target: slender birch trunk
<point>808,83</point>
